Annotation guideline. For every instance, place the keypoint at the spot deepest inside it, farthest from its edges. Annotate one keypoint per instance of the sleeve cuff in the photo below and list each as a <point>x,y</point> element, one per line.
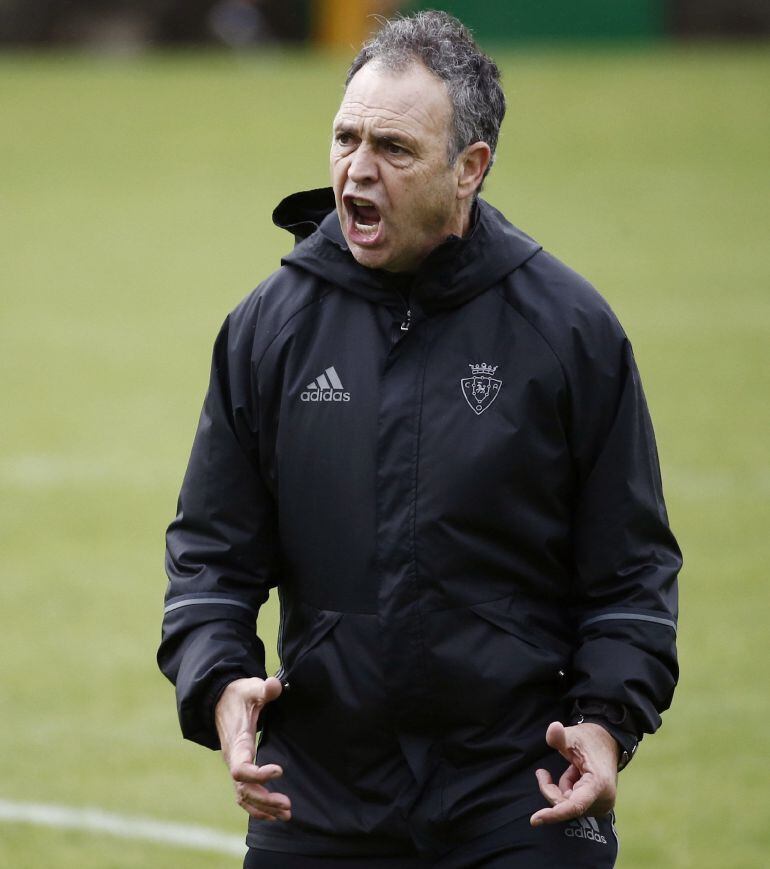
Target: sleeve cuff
<point>615,719</point>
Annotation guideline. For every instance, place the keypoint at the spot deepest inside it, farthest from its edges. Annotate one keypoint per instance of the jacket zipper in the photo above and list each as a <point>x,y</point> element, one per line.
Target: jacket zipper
<point>281,674</point>
<point>402,326</point>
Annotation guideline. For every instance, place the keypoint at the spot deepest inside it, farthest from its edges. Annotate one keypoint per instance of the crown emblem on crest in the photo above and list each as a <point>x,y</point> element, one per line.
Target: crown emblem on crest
<point>482,388</point>
<point>482,369</point>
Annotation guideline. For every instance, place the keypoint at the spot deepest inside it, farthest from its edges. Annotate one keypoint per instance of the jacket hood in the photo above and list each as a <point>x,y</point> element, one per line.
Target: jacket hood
<point>453,273</point>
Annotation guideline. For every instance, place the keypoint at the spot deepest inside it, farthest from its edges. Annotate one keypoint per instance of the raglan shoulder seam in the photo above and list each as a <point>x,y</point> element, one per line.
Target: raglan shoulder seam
<point>318,297</point>
<point>517,310</point>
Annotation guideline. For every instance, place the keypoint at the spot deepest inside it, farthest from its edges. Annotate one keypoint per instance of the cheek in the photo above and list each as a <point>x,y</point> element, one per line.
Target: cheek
<point>339,165</point>
<point>430,205</point>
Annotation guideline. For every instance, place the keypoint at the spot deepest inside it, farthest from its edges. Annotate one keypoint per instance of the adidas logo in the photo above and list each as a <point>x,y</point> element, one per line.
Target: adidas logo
<point>585,828</point>
<point>326,387</point>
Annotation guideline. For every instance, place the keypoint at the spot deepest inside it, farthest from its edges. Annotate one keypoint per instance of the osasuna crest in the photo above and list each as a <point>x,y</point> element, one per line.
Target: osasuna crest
<point>481,389</point>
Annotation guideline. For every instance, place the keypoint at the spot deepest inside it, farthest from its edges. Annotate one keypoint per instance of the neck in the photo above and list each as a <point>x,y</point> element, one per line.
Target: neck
<point>464,220</point>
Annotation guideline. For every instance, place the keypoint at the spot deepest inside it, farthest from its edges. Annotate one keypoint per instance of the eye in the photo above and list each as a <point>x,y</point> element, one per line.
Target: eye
<point>342,138</point>
<point>394,148</point>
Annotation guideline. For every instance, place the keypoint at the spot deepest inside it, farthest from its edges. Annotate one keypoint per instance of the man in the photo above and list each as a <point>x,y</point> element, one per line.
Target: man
<point>430,436</point>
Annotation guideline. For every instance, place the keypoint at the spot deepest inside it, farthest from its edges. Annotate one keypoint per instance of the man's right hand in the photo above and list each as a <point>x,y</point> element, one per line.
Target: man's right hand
<point>236,716</point>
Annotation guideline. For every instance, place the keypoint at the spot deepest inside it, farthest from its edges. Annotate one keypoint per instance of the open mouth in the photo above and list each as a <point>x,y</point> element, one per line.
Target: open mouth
<point>364,220</point>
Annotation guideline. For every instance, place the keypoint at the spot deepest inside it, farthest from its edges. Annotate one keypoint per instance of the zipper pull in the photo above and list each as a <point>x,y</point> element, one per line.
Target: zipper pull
<point>408,322</point>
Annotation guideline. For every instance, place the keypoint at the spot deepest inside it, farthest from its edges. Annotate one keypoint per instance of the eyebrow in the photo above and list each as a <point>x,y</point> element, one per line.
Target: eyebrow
<point>343,127</point>
<point>400,139</point>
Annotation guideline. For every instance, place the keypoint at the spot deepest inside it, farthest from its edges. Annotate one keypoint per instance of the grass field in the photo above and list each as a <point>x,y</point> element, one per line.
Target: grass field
<point>135,201</point>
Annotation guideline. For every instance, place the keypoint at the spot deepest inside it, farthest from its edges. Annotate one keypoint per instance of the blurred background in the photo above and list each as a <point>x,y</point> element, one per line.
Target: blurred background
<point>143,146</point>
<point>125,25</point>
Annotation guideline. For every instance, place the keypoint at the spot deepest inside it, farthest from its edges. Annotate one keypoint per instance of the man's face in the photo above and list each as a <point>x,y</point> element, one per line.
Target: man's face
<point>395,191</point>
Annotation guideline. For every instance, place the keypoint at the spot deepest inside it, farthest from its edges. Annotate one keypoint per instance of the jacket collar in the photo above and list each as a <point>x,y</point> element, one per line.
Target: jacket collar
<point>453,273</point>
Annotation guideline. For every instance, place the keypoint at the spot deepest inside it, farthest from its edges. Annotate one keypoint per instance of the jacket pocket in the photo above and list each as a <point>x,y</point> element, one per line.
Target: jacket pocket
<point>488,657</point>
<point>334,698</point>
<point>308,674</point>
<point>517,620</point>
<point>313,635</point>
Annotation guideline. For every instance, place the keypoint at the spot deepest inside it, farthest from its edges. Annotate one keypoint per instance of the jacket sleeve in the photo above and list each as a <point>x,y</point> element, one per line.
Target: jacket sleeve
<point>626,558</point>
<point>220,551</point>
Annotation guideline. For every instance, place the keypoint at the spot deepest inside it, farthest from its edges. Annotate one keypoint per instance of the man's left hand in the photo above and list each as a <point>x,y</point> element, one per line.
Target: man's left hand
<point>589,785</point>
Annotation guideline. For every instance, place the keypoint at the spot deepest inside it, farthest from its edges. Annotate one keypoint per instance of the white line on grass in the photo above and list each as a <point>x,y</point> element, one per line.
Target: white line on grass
<point>125,826</point>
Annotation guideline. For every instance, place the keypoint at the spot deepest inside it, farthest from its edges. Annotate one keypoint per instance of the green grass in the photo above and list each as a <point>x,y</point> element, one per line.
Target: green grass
<point>135,199</point>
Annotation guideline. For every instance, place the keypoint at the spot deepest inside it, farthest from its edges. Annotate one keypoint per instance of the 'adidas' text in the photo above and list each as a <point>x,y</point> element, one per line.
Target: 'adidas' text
<point>585,828</point>
<point>326,387</point>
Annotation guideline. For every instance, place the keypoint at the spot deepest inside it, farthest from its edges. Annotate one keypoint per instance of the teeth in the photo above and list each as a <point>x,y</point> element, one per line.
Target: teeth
<point>363,202</point>
<point>367,228</point>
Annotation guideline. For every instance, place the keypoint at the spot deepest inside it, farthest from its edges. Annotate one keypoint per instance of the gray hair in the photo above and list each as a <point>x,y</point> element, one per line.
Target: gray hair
<point>445,47</point>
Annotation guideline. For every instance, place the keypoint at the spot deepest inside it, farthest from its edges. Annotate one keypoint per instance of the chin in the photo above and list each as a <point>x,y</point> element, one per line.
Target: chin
<point>371,259</point>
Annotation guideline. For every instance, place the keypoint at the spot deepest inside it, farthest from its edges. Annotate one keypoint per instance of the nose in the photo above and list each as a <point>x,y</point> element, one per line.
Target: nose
<point>363,165</point>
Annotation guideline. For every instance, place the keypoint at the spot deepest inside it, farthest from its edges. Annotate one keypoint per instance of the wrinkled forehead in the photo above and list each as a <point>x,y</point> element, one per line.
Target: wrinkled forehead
<point>411,100</point>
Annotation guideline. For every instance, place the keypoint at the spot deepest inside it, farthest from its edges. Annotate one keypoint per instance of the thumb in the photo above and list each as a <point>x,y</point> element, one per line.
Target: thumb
<point>258,692</point>
<point>556,737</point>
<point>272,689</point>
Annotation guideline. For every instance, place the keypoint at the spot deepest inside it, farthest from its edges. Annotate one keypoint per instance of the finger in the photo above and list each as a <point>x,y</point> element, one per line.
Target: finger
<point>572,807</point>
<point>556,737</point>
<point>260,816</point>
<point>271,813</point>
<point>568,779</point>
<point>250,773</point>
<point>265,812</point>
<point>263,816</point>
<point>261,798</point>
<point>547,787</point>
<point>272,689</point>
<point>580,802</point>
<point>259,691</point>
<point>262,802</point>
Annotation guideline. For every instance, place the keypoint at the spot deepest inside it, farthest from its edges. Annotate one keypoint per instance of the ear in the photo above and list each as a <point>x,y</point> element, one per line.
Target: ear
<point>471,166</point>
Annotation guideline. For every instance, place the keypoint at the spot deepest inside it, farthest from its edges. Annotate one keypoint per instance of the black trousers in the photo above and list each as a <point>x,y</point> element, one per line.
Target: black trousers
<point>588,843</point>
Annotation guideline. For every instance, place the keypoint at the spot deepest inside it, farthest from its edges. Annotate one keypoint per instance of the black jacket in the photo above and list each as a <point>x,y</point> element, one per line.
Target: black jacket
<point>452,480</point>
